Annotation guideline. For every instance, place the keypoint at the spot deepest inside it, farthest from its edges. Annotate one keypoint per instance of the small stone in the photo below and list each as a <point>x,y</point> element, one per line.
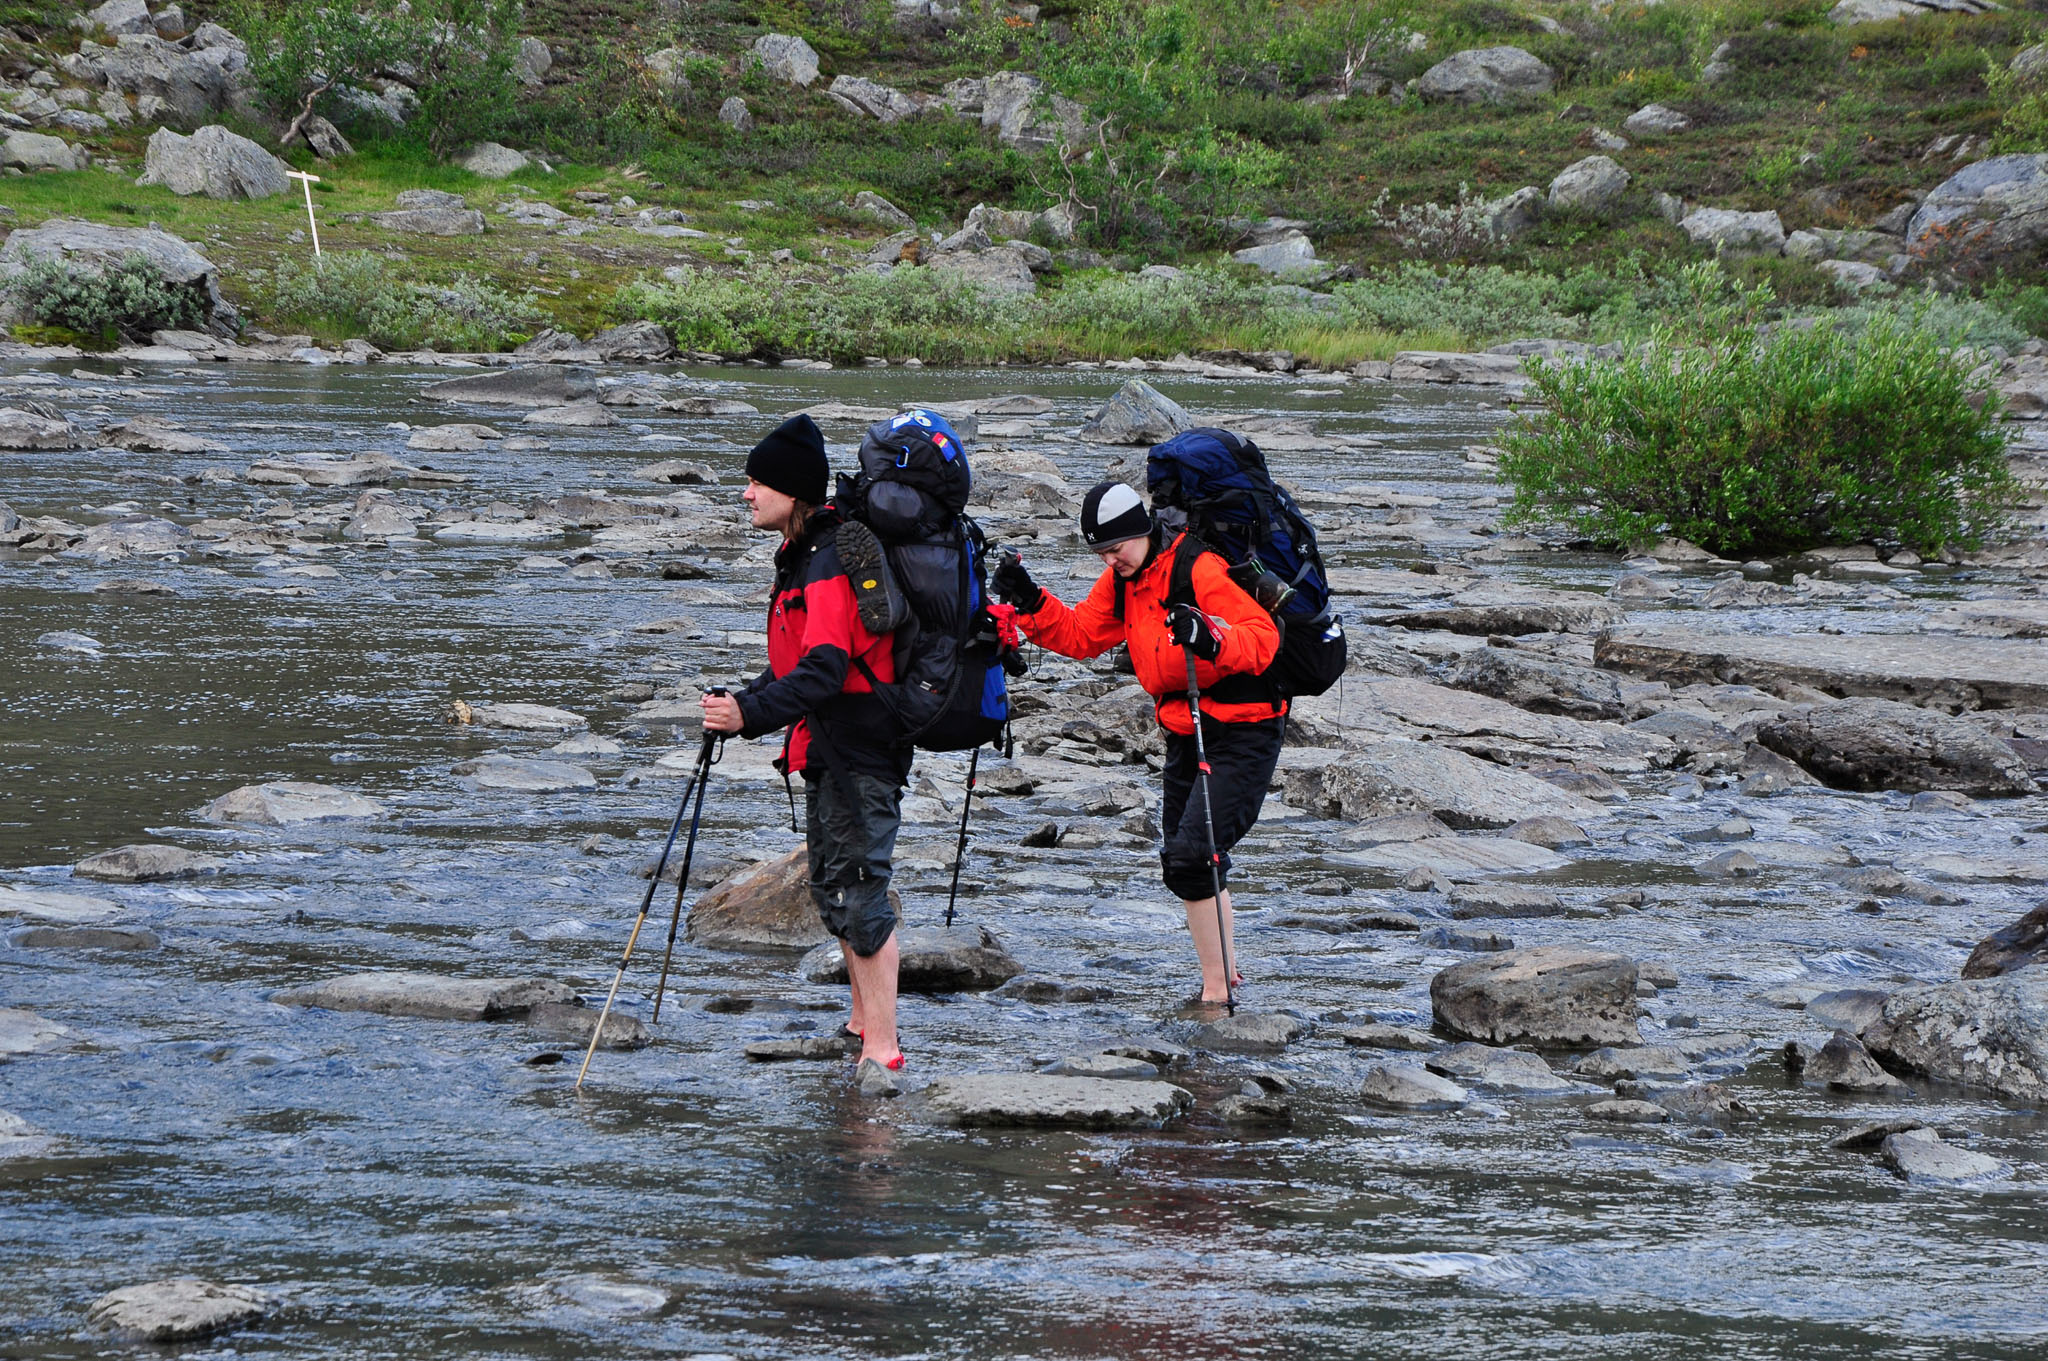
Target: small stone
<point>1377,1036</point>
<point>803,1047</point>
<point>1458,938</point>
<point>1407,1086</point>
<point>1628,1112</point>
<point>557,1021</point>
<point>1104,1066</point>
<point>1864,1137</point>
<point>85,938</point>
<point>1251,1032</point>
<point>1263,1108</point>
<point>1731,865</point>
<point>140,864</point>
<point>1922,1158</point>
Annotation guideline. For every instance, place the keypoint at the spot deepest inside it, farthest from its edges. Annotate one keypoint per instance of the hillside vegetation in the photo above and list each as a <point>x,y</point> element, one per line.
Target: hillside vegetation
<point>1193,122</point>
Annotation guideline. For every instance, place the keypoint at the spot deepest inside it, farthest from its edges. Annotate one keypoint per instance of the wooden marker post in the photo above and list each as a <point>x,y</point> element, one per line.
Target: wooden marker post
<point>309,181</point>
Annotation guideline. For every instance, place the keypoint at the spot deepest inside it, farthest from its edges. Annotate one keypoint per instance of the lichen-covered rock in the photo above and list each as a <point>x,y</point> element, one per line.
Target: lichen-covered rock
<point>1981,1032</point>
<point>1486,75</point>
<point>1873,744</point>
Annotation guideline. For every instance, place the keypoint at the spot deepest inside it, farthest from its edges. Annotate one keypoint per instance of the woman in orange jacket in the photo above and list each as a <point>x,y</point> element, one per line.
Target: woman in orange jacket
<point>1232,640</point>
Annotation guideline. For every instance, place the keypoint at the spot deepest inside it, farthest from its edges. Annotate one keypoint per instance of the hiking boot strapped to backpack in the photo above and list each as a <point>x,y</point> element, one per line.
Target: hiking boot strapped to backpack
<point>916,562</point>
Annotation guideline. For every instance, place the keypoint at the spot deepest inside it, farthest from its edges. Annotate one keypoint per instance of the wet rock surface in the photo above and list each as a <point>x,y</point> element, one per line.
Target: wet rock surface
<point>959,959</point>
<point>1550,994</point>
<point>560,576</point>
<point>1035,1101</point>
<point>1986,1032</point>
<point>177,1310</point>
<point>429,995</point>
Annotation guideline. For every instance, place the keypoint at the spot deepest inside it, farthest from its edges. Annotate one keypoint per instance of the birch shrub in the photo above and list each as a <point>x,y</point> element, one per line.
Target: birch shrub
<point>1759,444</point>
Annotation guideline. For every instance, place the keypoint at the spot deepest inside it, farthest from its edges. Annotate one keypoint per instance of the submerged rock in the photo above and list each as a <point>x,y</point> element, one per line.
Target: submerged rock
<point>1628,1112</point>
<point>1250,1032</point>
<point>559,1021</point>
<point>1491,1069</point>
<point>285,802</point>
<point>1401,776</point>
<point>1549,994</point>
<point>1103,1065</point>
<point>85,938</point>
<point>1611,1064</point>
<point>533,385</point>
<point>960,959</point>
<point>433,996</point>
<point>24,1032</point>
<point>1039,1101</point>
<point>1982,1032</point>
<point>49,905</point>
<point>783,1050</point>
<point>177,1310</point>
<point>524,776</point>
<point>140,864</point>
<point>1376,1035</point>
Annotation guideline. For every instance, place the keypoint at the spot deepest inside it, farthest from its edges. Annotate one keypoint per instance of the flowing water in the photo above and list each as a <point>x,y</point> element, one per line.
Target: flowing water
<point>414,1188</point>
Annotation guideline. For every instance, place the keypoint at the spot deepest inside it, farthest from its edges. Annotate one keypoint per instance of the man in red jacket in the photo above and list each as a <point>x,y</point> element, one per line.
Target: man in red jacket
<point>840,732</point>
<point>1232,638</point>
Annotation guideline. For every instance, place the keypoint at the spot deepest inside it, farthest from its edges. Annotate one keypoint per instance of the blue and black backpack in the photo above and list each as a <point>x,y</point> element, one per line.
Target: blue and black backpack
<point>950,691</point>
<point>1218,480</point>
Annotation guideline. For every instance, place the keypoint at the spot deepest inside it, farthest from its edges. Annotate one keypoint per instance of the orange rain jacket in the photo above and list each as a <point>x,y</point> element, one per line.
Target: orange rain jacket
<point>1249,636</point>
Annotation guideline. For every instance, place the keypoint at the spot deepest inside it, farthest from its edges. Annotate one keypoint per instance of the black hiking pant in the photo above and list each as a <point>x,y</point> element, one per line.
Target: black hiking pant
<point>1241,761</point>
<point>851,848</point>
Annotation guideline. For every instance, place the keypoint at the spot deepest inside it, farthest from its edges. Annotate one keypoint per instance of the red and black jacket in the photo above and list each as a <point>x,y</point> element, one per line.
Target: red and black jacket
<point>814,633</point>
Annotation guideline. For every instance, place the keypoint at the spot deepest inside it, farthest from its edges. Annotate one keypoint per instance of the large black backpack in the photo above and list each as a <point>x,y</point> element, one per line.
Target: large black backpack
<point>1218,480</point>
<point>950,691</point>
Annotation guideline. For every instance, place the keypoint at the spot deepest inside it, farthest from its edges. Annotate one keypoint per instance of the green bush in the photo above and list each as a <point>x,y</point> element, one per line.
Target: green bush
<point>128,298</point>
<point>1758,444</point>
<point>351,294</point>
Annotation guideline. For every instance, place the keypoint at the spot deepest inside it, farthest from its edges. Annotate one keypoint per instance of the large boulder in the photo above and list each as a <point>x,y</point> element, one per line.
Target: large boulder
<point>1287,255</point>
<point>2023,945</point>
<point>21,429</point>
<point>493,161</point>
<point>214,162</point>
<point>34,151</point>
<point>1981,1032</point>
<point>1726,230</point>
<point>1401,776</point>
<point>178,1310</point>
<point>536,386</point>
<point>642,342</point>
<point>1036,1100</point>
<point>284,803</point>
<point>1138,414</point>
<point>1873,744</point>
<point>1486,75</point>
<point>531,66</point>
<point>121,16</point>
<point>1002,270</point>
<point>197,82</point>
<point>873,99</point>
<point>763,907</point>
<point>432,996</point>
<point>955,959</point>
<point>1551,994</point>
<point>92,247</point>
<point>2000,205</point>
<point>1593,185</point>
<point>1011,106</point>
<point>786,58</point>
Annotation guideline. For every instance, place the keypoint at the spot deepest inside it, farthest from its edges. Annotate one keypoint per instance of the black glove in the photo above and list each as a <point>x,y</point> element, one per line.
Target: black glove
<point>1014,585</point>
<point>1190,629</point>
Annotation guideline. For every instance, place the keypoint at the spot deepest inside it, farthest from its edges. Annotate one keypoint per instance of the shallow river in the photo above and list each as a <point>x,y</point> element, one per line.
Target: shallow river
<point>413,1188</point>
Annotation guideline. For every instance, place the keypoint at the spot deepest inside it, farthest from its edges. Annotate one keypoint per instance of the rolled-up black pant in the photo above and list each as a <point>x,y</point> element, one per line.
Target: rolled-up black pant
<point>1241,761</point>
<point>850,853</point>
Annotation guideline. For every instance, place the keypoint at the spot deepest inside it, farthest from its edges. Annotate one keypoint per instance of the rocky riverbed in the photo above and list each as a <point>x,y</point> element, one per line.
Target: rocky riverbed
<point>1605,931</point>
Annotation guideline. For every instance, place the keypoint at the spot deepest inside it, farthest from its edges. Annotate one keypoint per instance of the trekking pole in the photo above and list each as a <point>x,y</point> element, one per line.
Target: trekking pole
<point>646,901</point>
<point>960,851</point>
<point>705,760</point>
<point>1209,825</point>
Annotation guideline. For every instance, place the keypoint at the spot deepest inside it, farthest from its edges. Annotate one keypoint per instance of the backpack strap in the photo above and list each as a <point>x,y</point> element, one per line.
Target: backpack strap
<point>1241,688</point>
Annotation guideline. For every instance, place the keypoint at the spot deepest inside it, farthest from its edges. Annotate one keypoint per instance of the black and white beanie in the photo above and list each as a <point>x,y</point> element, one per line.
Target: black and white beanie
<point>1111,514</point>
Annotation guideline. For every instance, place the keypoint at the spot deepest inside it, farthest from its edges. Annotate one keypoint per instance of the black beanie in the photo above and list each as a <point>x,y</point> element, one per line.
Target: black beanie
<point>1112,513</point>
<point>791,459</point>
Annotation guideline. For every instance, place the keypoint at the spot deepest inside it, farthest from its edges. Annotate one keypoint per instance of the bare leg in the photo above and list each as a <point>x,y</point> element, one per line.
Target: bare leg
<point>857,1023</point>
<point>874,991</point>
<point>1230,939</point>
<point>1209,944</point>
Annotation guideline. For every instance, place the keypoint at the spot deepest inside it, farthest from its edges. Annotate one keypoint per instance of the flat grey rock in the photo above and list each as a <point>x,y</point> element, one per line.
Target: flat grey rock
<point>49,905</point>
<point>1922,1158</point>
<point>523,776</point>
<point>802,1047</point>
<point>284,803</point>
<point>963,959</point>
<point>1411,1087</point>
<point>1916,668</point>
<point>1628,1112</point>
<point>1704,1101</point>
<point>24,1032</point>
<point>531,385</point>
<point>557,1021</point>
<point>1033,1100</point>
<point>1402,776</point>
<point>1463,938</point>
<point>1654,1062</point>
<point>1375,1035</point>
<point>1456,858</point>
<point>84,938</point>
<point>1031,988</point>
<point>1503,900</point>
<point>1102,1065</point>
<point>527,717</point>
<point>20,1139</point>
<point>176,1310</point>
<point>433,996</point>
<point>1498,1071</point>
<point>612,1297</point>
<point>1251,1032</point>
<point>1868,743</point>
<point>141,864</point>
<point>1850,1009</point>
